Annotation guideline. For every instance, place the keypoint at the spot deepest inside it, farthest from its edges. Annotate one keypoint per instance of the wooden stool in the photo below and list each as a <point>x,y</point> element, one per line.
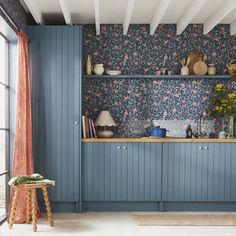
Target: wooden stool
<point>31,197</point>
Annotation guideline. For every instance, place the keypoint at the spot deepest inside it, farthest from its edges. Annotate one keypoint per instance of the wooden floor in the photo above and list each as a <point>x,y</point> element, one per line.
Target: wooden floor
<point>112,224</point>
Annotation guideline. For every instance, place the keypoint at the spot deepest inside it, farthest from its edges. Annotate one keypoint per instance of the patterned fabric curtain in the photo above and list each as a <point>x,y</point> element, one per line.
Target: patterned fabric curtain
<point>23,150</point>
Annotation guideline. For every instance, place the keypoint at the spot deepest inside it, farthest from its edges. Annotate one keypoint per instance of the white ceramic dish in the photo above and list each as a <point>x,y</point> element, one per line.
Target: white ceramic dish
<point>113,72</point>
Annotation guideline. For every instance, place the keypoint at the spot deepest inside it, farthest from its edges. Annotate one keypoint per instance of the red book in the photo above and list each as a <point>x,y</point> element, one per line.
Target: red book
<point>86,127</point>
<point>94,130</point>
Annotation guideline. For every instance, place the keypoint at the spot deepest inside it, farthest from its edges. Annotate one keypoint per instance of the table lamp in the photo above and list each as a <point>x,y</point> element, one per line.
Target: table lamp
<point>105,120</point>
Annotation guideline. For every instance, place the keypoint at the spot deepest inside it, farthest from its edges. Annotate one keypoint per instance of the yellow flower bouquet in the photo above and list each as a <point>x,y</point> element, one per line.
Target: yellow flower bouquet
<point>224,101</point>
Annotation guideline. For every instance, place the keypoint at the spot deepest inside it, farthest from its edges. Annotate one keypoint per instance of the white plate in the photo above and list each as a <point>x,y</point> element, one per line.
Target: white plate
<point>113,72</point>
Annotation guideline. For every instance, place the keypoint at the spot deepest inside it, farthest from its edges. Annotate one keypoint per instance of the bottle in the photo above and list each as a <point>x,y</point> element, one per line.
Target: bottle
<point>88,66</point>
<point>189,132</point>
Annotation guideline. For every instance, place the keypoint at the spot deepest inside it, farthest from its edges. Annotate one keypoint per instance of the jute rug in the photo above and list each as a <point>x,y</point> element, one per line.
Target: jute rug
<point>183,218</point>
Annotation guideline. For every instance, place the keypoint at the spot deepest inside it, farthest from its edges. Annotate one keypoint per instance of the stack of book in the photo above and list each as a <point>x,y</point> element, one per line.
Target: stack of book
<point>88,128</point>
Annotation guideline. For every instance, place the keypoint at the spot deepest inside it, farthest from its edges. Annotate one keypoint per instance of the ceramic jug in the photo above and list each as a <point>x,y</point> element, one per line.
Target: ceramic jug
<point>98,69</point>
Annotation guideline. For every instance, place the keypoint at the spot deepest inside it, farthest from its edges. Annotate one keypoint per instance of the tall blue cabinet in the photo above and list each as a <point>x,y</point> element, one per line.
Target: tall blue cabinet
<point>56,74</point>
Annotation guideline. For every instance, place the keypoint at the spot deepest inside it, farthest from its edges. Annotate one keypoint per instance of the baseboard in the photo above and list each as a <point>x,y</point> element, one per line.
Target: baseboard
<point>200,206</point>
<point>61,206</point>
<point>120,206</point>
<point>140,206</point>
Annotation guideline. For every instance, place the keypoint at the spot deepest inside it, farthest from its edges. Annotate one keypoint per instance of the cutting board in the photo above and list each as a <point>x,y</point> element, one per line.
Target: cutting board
<point>200,68</point>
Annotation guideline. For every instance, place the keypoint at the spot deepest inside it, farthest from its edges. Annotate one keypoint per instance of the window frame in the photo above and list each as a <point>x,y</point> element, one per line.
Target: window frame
<point>6,129</point>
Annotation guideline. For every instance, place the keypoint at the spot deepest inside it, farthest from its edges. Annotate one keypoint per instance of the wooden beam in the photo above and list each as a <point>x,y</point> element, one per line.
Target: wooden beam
<point>189,15</point>
<point>233,28</point>
<point>34,10</point>
<point>159,13</point>
<point>128,14</point>
<point>97,15</point>
<point>66,11</point>
<point>222,11</point>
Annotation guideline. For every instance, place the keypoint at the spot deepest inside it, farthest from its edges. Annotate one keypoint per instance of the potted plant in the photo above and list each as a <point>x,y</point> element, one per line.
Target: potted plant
<point>224,105</point>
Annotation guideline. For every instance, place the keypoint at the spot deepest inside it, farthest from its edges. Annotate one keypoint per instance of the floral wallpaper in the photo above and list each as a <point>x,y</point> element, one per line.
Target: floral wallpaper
<point>138,52</point>
<point>16,12</point>
<point>135,102</point>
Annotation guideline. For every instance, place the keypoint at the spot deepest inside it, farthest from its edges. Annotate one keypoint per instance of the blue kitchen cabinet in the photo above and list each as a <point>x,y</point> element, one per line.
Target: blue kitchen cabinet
<point>56,69</point>
<point>199,172</point>
<point>121,171</point>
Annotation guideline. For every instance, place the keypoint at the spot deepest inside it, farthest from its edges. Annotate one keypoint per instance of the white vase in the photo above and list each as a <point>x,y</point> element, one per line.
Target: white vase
<point>184,70</point>
<point>98,69</point>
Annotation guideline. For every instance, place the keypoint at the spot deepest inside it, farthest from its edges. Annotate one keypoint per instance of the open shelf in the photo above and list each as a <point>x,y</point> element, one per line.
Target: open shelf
<point>159,76</point>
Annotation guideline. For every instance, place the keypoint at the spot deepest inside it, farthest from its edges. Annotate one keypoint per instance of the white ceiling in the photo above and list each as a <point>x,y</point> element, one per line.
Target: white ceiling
<point>113,11</point>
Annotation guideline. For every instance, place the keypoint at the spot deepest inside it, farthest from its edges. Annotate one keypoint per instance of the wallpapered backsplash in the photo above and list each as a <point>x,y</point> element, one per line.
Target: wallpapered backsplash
<point>133,102</point>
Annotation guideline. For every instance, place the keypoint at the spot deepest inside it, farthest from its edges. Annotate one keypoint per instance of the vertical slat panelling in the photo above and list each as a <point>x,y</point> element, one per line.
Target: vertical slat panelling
<point>101,171</point>
<point>188,149</point>
<point>64,115</point>
<point>176,172</point>
<point>107,170</point>
<point>136,148</point>
<point>141,170</point>
<point>124,172</point>
<point>70,112</point>
<point>113,170</point>
<point>227,179</point>
<point>232,148</point>
<point>193,174</point>
<point>56,74</point>
<point>146,167</point>
<point>53,120</point>
<point>165,171</point>
<point>130,172</point>
<point>216,172</point>
<point>222,157</point>
<point>59,112</point>
<point>204,166</point>
<point>210,173</point>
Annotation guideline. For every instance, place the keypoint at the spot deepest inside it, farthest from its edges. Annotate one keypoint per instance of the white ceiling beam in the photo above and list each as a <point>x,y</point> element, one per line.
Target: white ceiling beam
<point>189,15</point>
<point>66,11</point>
<point>97,16</point>
<point>233,28</point>
<point>34,10</point>
<point>128,14</point>
<point>222,11</point>
<point>159,13</point>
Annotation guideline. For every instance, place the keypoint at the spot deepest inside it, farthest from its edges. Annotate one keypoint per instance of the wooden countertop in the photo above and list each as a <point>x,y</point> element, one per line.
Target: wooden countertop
<point>157,140</point>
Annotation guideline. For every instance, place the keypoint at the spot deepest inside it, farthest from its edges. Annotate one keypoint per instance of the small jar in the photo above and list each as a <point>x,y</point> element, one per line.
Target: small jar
<point>184,70</point>
<point>211,69</point>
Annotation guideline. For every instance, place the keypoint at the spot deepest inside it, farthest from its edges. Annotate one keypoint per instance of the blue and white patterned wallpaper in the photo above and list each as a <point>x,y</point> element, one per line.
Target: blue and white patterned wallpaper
<point>138,52</point>
<point>15,11</point>
<point>135,102</point>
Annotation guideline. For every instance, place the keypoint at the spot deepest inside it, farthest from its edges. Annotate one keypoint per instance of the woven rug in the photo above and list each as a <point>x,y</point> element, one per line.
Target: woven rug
<point>183,218</point>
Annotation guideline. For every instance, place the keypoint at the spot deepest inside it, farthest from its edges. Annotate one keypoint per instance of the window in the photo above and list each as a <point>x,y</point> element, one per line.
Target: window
<point>4,126</point>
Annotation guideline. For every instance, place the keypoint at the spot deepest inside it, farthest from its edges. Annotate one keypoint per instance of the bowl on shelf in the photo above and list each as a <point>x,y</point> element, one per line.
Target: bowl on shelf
<point>113,72</point>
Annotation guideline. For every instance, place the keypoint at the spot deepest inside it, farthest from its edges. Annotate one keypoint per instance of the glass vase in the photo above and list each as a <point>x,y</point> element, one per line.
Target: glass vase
<point>231,126</point>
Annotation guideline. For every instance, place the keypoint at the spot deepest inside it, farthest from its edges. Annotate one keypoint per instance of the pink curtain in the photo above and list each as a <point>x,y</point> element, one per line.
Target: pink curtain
<point>23,151</point>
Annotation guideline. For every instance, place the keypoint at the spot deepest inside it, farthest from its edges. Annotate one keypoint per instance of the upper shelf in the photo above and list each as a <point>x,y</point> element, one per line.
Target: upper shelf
<point>161,76</point>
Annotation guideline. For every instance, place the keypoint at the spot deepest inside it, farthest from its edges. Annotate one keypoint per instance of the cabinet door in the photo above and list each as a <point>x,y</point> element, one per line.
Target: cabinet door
<point>55,60</point>
<point>198,172</point>
<point>104,171</point>
<point>121,172</point>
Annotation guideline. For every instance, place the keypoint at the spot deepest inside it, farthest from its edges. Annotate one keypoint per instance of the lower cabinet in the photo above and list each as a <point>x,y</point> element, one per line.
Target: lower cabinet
<point>199,172</point>
<point>121,171</point>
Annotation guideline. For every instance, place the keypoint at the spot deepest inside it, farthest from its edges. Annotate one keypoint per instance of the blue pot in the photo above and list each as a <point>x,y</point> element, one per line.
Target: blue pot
<point>157,132</point>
